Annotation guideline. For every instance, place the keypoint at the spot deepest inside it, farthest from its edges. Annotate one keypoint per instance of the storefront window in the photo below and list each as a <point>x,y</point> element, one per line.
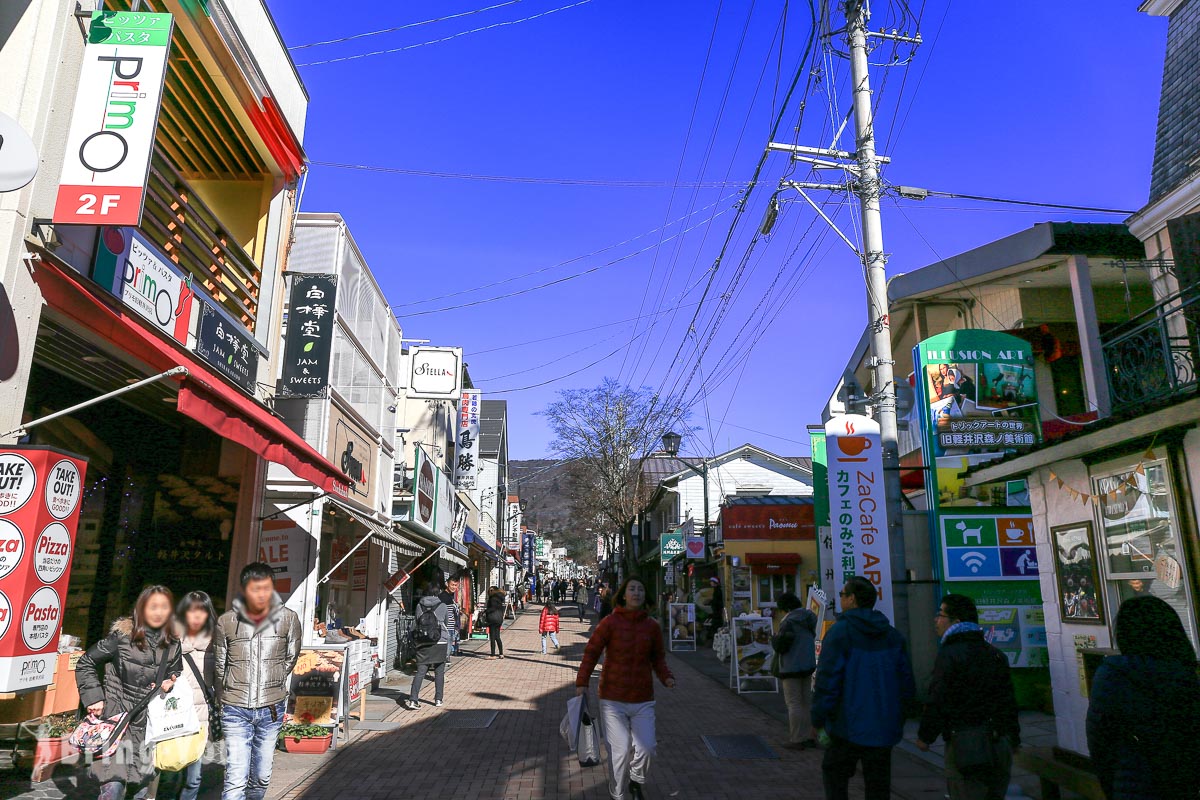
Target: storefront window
<point>1139,538</point>
<point>770,587</point>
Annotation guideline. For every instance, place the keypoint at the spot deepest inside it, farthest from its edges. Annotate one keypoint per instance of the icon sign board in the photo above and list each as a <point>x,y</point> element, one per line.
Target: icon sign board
<point>111,138</point>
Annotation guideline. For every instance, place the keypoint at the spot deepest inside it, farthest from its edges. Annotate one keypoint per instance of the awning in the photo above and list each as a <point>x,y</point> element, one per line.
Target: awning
<point>471,537</point>
<point>203,396</point>
<point>382,534</point>
<point>453,556</point>
<point>773,563</point>
<point>650,556</point>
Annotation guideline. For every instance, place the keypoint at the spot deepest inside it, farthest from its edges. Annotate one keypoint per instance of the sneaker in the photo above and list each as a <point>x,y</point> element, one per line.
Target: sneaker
<point>635,791</point>
<point>437,704</point>
<point>411,706</point>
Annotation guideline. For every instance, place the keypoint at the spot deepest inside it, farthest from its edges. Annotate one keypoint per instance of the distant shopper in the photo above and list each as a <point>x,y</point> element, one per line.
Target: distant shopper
<point>606,601</point>
<point>864,681</point>
<point>632,646</point>
<point>196,620</point>
<point>795,647</point>
<point>449,596</point>
<point>972,705</point>
<point>493,615</point>
<point>256,647</point>
<point>431,631</point>
<point>716,620</point>
<point>121,669</point>
<point>548,626</point>
<point>1145,704</point>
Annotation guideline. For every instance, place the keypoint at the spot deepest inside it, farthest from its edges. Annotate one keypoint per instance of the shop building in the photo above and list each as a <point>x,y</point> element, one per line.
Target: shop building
<point>770,547</point>
<point>493,484</point>
<point>176,467</point>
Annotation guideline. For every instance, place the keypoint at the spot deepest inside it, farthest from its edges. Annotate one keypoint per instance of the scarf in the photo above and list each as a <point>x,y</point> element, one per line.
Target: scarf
<point>960,627</point>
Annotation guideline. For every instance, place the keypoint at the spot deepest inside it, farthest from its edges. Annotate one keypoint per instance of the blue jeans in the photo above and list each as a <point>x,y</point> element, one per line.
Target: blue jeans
<point>191,780</point>
<point>250,735</point>
<point>553,636</point>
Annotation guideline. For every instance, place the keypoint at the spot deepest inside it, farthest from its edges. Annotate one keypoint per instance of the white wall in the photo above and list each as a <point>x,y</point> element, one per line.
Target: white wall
<point>724,481</point>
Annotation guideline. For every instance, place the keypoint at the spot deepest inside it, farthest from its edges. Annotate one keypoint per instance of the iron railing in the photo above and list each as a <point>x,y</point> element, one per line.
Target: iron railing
<point>191,234</point>
<point>1154,356</point>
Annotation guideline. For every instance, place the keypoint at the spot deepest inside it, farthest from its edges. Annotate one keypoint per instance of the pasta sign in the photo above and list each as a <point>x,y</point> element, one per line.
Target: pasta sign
<point>857,509</point>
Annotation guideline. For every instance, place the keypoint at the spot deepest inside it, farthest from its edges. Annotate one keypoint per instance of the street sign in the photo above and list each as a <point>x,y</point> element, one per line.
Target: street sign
<point>18,156</point>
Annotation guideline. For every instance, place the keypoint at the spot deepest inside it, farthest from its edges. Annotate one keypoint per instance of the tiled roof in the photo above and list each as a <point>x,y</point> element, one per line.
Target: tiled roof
<point>770,500</point>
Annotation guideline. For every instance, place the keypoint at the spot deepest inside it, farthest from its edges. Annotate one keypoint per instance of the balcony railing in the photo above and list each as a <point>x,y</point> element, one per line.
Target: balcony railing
<point>1153,357</point>
<point>192,236</point>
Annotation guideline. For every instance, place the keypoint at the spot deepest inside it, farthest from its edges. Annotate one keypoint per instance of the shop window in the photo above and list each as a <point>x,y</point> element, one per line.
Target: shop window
<point>1067,374</point>
<point>1139,538</point>
<point>770,587</point>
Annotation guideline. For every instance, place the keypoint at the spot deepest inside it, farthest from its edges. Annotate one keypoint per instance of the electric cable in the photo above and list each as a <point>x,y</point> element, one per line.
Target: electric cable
<point>538,181</point>
<point>406,26</point>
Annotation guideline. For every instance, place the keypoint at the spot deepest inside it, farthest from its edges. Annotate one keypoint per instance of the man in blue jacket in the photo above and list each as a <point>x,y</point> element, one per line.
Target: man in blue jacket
<point>864,681</point>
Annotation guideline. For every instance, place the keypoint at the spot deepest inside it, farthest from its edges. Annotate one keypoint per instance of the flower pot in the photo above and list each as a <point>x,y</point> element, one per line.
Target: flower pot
<point>314,745</point>
<point>52,751</point>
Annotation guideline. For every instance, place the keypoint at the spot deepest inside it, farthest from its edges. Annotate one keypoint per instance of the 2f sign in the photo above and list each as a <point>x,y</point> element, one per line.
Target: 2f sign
<point>111,138</point>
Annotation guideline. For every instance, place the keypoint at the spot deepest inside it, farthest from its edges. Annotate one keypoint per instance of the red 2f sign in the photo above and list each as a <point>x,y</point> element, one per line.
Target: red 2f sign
<point>111,138</point>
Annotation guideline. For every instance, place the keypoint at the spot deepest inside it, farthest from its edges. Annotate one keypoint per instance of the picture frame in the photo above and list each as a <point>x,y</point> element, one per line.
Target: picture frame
<point>1077,573</point>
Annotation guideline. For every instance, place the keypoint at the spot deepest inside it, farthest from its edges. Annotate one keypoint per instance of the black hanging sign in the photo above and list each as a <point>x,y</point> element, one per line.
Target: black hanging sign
<point>228,350</point>
<point>309,336</point>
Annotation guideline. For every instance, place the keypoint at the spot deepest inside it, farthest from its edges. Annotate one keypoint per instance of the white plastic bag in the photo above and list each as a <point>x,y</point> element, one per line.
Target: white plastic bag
<point>569,727</point>
<point>172,714</point>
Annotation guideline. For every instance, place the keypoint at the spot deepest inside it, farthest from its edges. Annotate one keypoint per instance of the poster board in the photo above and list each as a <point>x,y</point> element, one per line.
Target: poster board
<point>359,669</point>
<point>682,627</point>
<point>750,666</point>
<point>317,685</point>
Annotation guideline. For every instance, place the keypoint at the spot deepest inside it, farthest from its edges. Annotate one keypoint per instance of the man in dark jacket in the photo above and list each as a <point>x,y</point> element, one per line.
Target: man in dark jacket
<point>864,680</point>
<point>971,689</point>
<point>255,647</point>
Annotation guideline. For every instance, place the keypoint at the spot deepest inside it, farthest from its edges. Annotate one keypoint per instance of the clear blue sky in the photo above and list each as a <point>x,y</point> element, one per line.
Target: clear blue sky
<point>1047,101</point>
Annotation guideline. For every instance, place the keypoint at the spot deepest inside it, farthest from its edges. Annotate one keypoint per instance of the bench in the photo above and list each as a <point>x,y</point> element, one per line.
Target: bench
<point>1057,770</point>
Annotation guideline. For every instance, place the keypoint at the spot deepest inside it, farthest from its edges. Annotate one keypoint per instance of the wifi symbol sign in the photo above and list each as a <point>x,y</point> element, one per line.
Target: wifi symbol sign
<point>974,560</point>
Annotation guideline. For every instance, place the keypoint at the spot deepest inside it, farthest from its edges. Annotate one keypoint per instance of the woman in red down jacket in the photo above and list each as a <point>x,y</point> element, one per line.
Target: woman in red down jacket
<point>548,626</point>
<point>634,646</point>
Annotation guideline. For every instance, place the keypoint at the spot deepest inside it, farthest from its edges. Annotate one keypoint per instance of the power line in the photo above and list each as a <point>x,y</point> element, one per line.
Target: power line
<point>468,176</point>
<point>1034,203</point>
<point>404,27</point>
<point>444,38</point>
<point>573,333</point>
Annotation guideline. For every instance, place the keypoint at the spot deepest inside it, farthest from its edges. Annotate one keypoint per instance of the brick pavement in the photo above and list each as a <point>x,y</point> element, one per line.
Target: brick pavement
<point>522,757</point>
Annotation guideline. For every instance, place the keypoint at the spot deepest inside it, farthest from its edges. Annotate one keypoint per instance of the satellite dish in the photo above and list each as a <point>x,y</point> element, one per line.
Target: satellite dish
<point>18,156</point>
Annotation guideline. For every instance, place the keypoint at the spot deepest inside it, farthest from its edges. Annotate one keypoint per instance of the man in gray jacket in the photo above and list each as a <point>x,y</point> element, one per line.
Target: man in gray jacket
<point>256,647</point>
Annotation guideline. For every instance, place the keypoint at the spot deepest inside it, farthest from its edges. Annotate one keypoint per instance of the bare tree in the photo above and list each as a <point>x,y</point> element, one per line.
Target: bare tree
<point>606,432</point>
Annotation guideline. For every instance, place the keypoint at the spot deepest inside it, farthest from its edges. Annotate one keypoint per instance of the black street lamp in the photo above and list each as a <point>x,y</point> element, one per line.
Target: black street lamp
<point>671,441</point>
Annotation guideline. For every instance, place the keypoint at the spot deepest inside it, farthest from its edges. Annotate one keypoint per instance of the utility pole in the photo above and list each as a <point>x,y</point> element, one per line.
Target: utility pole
<point>863,180</point>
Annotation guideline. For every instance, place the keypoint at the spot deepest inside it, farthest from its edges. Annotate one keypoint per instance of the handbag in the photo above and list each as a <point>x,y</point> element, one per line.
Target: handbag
<point>101,736</point>
<point>216,729</point>
<point>173,755</point>
<point>974,749</point>
<point>171,715</point>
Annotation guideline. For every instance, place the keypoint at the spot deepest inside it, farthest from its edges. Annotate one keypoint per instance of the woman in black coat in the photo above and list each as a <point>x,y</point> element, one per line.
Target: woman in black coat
<point>494,617</point>
<point>121,669</point>
<point>1144,714</point>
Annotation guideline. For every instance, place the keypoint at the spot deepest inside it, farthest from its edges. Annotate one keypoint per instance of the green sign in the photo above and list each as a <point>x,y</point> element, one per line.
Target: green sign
<point>977,402</point>
<point>670,546</point>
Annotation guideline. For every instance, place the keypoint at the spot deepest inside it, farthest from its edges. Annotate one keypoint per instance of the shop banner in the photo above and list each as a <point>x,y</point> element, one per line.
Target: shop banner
<point>41,491</point>
<point>284,547</point>
<point>977,402</point>
<point>435,373</point>
<point>147,282</point>
<point>776,521</point>
<point>528,555</point>
<point>312,304</point>
<point>541,548</point>
<point>111,138</point>
<point>682,617</point>
<point>227,349</point>
<point>466,464</point>
<point>670,546</point>
<point>857,507</point>
<point>352,448</point>
<point>750,667</point>
<point>694,544</point>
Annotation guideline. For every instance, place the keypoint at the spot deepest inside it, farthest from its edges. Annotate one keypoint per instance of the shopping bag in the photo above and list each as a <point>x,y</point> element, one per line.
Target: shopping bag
<point>173,755</point>
<point>173,714</point>
<point>569,727</point>
<point>589,741</point>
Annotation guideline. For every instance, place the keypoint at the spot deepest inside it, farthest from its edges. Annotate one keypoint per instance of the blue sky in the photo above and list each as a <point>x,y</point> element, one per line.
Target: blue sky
<point>1043,101</point>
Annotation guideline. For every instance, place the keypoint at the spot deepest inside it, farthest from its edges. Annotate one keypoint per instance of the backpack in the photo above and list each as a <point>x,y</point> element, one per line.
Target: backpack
<point>428,629</point>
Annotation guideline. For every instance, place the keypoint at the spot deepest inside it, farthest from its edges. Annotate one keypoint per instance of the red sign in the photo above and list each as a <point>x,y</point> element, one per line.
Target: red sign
<point>41,491</point>
<point>775,521</point>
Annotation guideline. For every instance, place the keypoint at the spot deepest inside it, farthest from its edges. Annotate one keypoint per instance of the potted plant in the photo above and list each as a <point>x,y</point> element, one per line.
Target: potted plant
<point>52,736</point>
<point>300,737</point>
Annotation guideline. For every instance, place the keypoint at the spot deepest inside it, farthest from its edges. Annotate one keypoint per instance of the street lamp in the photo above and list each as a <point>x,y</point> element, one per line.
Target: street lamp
<point>671,441</point>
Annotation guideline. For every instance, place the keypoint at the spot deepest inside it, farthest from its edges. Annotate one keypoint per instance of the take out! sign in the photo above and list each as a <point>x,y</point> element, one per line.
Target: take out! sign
<point>111,138</point>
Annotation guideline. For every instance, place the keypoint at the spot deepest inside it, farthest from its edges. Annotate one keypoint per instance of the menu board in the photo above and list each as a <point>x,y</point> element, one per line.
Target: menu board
<point>682,626</point>
<point>750,667</point>
<point>317,685</point>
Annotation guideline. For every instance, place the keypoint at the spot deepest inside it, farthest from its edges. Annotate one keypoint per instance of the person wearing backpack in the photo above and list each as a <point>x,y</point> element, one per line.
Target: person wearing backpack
<point>548,626</point>
<point>795,649</point>
<point>432,638</point>
<point>494,617</point>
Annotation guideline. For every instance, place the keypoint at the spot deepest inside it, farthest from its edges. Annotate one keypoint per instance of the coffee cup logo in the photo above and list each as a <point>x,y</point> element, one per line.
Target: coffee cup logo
<point>853,445</point>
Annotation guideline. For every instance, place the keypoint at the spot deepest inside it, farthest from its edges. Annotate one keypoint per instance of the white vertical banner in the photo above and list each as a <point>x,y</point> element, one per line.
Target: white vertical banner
<point>857,508</point>
<point>466,462</point>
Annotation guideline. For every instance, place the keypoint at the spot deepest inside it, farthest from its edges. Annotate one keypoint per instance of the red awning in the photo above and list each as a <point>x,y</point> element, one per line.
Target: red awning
<point>203,396</point>
<point>772,563</point>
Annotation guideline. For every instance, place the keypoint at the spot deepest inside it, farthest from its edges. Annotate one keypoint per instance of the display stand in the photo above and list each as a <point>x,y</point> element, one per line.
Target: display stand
<point>681,627</point>
<point>750,662</point>
<point>327,680</point>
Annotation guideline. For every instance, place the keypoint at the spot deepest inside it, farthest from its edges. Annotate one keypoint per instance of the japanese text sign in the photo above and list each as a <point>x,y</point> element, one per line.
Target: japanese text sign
<point>466,462</point>
<point>227,348</point>
<point>857,508</point>
<point>670,546</point>
<point>111,138</point>
<point>41,491</point>
<point>147,282</point>
<point>311,314</point>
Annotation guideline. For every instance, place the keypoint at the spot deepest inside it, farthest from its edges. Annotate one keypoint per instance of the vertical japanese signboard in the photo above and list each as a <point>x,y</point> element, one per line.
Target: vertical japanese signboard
<point>977,402</point>
<point>41,490</point>
<point>857,509</point>
<point>311,308</point>
<point>527,551</point>
<point>466,464</point>
<point>111,138</point>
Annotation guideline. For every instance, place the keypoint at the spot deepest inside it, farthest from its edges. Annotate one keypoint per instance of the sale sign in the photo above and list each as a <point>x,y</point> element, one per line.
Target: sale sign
<point>41,491</point>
